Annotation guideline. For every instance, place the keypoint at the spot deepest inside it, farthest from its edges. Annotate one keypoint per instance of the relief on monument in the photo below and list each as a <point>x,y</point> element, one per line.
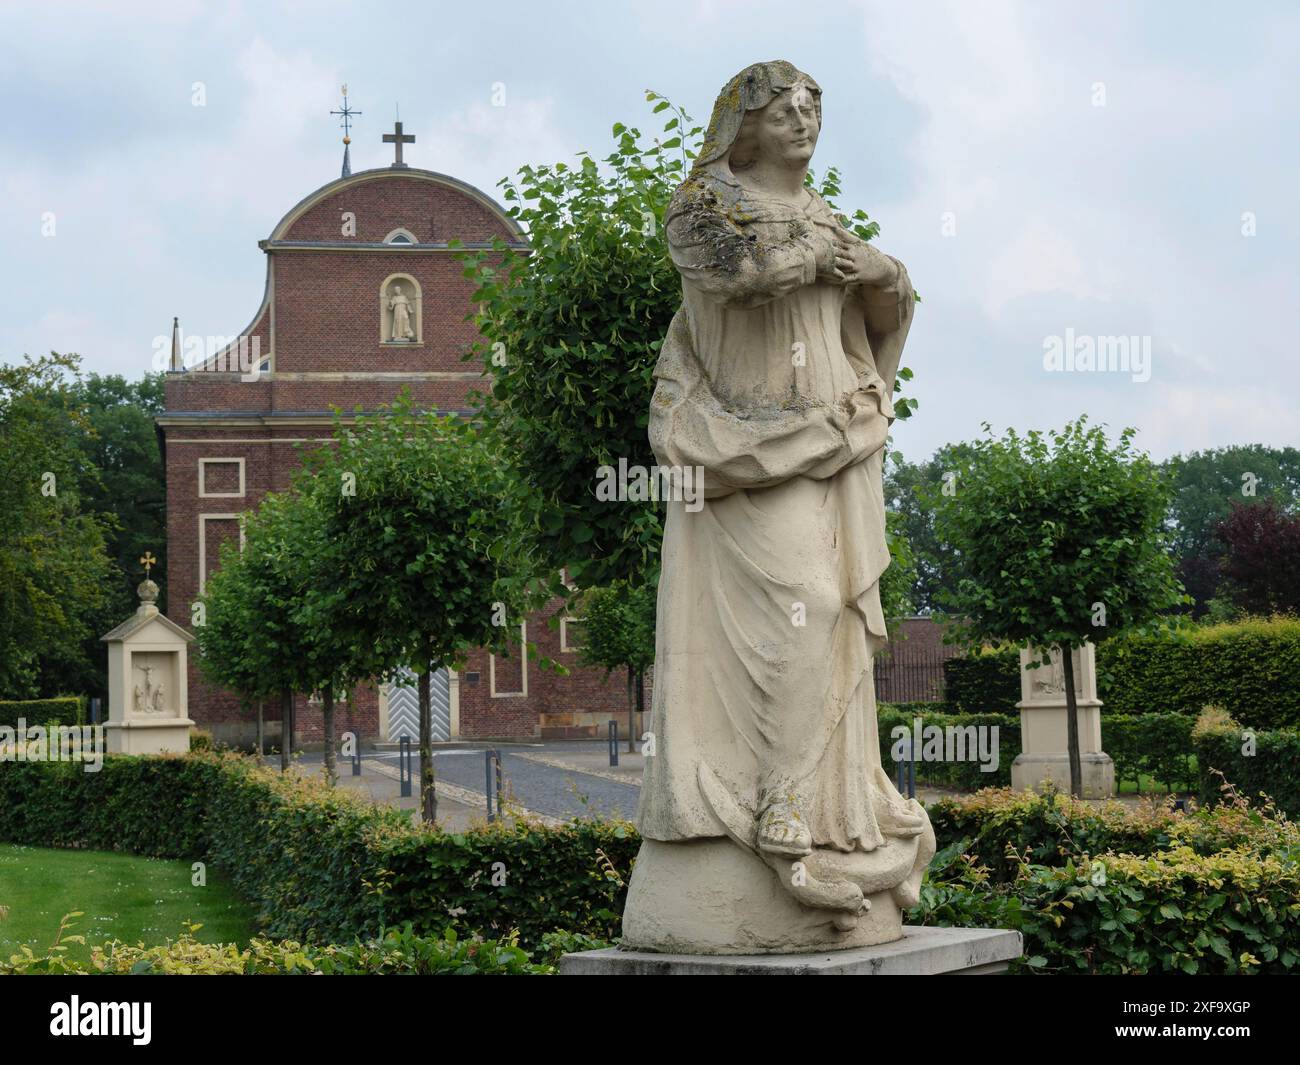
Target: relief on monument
<point>153,684</point>
<point>399,310</point>
<point>1047,680</point>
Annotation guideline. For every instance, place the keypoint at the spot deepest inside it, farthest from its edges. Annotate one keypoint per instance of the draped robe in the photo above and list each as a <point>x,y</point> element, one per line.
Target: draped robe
<point>778,384</point>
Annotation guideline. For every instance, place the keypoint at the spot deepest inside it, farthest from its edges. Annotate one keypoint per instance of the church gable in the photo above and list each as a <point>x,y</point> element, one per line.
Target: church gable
<point>366,209</point>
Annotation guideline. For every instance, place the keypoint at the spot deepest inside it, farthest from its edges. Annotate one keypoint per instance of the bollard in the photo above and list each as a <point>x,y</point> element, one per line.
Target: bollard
<point>613,743</point>
<point>493,781</point>
<point>356,756</point>
<point>404,765</point>
<point>906,772</point>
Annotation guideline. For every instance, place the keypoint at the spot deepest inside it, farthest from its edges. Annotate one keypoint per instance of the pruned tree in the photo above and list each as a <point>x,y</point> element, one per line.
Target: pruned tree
<point>618,632</point>
<point>1059,538</point>
<point>273,622</point>
<point>426,561</point>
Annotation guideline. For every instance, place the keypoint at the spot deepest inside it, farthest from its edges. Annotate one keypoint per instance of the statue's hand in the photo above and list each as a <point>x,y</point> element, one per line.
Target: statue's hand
<point>828,271</point>
<point>861,264</point>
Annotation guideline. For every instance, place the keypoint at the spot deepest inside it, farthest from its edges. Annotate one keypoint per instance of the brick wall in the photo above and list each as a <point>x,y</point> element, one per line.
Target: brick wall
<point>325,306</point>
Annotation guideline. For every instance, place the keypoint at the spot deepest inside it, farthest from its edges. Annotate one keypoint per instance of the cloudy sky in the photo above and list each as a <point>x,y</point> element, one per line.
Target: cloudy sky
<point>1067,170</point>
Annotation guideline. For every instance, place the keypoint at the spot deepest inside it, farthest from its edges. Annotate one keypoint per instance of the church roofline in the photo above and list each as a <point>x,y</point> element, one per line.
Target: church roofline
<point>355,245</point>
<point>339,184</point>
<point>313,417</point>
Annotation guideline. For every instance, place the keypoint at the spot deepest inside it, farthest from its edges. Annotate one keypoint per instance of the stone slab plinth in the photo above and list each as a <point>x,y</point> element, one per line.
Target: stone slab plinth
<point>921,952</point>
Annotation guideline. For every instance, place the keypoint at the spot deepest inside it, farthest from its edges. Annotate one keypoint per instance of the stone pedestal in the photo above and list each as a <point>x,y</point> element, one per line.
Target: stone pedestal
<point>710,896</point>
<point>920,952</point>
<point>1044,725</point>
<point>147,682</point>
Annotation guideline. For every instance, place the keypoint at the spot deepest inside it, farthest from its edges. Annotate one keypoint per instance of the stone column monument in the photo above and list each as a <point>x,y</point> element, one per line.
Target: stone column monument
<point>147,680</point>
<point>1044,724</point>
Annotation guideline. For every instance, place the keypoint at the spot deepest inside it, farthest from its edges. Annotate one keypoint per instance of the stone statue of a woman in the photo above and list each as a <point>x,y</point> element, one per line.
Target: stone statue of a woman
<point>769,822</point>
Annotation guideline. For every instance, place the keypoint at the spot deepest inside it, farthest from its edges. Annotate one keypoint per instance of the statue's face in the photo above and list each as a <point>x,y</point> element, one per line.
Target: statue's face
<point>786,129</point>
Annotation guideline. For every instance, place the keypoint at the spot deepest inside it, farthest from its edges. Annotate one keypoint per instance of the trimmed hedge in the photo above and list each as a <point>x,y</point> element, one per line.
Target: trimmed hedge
<point>1250,667</point>
<point>1154,745</point>
<point>65,710</point>
<point>987,682</point>
<point>1174,912</point>
<point>1212,891</point>
<point>1000,828</point>
<point>323,865</point>
<point>966,776</point>
<point>1273,769</point>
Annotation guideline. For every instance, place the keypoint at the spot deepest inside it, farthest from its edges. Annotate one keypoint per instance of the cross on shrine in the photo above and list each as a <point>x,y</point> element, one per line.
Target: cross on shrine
<point>148,562</point>
<point>398,138</point>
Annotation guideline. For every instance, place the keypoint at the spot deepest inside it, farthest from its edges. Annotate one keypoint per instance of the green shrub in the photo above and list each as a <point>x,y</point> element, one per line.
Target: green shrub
<point>398,952</point>
<point>987,682</point>
<point>65,710</point>
<point>1116,889</point>
<point>1000,829</point>
<point>1249,666</point>
<point>1271,768</point>
<point>1173,912</point>
<point>322,864</point>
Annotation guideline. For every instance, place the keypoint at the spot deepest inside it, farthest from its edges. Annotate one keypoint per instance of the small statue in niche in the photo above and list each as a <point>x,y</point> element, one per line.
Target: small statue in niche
<point>400,307</point>
<point>149,698</point>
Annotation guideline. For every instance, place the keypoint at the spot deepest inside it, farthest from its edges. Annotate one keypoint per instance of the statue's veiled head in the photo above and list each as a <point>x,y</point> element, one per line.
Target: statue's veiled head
<point>770,110</point>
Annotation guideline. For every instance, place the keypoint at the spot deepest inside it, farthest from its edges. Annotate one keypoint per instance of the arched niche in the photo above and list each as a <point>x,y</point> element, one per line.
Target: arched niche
<point>401,311</point>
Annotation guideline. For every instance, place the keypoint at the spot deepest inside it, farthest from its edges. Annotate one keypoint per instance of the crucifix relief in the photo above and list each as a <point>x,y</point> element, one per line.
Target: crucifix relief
<point>397,138</point>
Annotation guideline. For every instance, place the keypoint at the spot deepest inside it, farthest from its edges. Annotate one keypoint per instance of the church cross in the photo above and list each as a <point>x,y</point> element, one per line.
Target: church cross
<point>398,138</point>
<point>148,562</point>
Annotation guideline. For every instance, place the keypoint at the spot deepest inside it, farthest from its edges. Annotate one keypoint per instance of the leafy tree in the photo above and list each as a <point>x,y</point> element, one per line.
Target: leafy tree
<point>1206,484</point>
<point>125,486</point>
<point>912,491</point>
<point>428,562</point>
<point>572,328</point>
<point>131,486</point>
<point>1261,562</point>
<point>618,632</point>
<point>272,614</point>
<point>54,566</point>
<point>1060,538</point>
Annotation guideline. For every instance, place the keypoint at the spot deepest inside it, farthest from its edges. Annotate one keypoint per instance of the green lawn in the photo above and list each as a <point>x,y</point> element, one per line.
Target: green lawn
<point>121,897</point>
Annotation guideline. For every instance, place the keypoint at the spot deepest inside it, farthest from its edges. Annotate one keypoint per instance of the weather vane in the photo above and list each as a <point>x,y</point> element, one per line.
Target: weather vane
<point>148,562</point>
<point>345,121</point>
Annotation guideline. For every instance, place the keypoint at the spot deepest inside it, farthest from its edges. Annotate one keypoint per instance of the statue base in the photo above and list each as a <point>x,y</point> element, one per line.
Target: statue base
<point>919,952</point>
<point>169,735</point>
<point>1033,772</point>
<point>710,896</point>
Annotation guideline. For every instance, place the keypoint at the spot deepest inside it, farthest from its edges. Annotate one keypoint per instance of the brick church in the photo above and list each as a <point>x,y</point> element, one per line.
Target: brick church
<point>363,297</point>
